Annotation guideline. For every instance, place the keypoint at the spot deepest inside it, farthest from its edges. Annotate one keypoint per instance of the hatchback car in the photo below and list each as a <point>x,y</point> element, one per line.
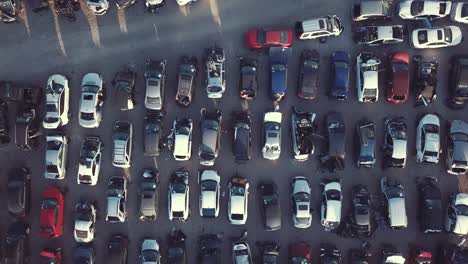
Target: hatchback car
<point>248,84</point>
<point>51,215</point>
<point>56,157</point>
<point>182,137</point>
<point>149,252</point>
<point>89,165</point>
<point>19,192</point>
<point>56,105</point>
<point>458,82</point>
<point>242,143</point>
<point>271,149</point>
<point>261,38</point>
<point>395,142</point>
<point>209,181</point>
<point>155,81</point>
<point>122,137</point>
<point>430,206</point>
<point>116,199</point>
<point>241,253</point>
<point>187,79</point>
<point>178,200</point>
<point>26,128</point>
<point>330,210</point>
<point>238,200</point>
<point>411,9</point>
<point>300,252</point>
<point>270,205</point>
<point>176,251</point>
<point>91,101</point>
<point>428,139</point>
<point>117,249</point>
<point>436,37</point>
<point>459,12</point>
<point>152,135</point>
<point>366,139</point>
<point>210,125</point>
<point>457,214</point>
<point>84,254</point>
<point>149,195</point>
<point>309,74</point>
<point>216,76</point>
<point>85,220</point>
<point>457,148</point>
<point>301,202</point>
<point>399,79</point>
<point>50,256</point>
<point>339,77</point>
<point>16,245</point>
<point>394,193</point>
<point>362,210</point>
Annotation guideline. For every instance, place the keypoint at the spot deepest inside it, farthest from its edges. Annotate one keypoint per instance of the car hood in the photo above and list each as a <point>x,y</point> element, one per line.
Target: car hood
<point>91,79</point>
<point>461,225</point>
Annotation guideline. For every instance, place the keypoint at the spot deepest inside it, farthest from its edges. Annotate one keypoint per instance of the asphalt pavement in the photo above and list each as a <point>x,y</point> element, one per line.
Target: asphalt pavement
<point>44,44</point>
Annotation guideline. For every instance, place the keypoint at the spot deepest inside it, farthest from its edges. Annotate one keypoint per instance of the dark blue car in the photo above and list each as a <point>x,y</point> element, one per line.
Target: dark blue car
<point>339,84</point>
<point>279,71</point>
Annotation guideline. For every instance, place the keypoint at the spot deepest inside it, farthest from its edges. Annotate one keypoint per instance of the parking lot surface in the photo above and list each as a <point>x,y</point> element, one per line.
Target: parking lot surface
<point>43,45</point>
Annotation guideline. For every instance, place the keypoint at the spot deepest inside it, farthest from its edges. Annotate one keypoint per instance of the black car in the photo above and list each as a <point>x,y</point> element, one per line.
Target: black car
<point>9,10</point>
<point>210,124</point>
<point>269,252</point>
<point>176,252</point>
<point>395,142</point>
<point>302,131</point>
<point>339,77</point>
<point>16,243</point>
<point>152,135</point>
<point>431,212</point>
<point>458,82</point>
<point>26,128</point>
<point>19,191</point>
<point>309,74</point>
<point>358,256</point>
<point>270,207</point>
<point>279,71</point>
<point>366,138</point>
<point>248,78</point>
<point>362,214</point>
<point>117,249</point>
<point>4,127</point>
<point>124,88</point>
<point>425,80</point>
<point>329,254</point>
<point>209,251</point>
<point>187,80</point>
<point>149,195</point>
<point>20,92</point>
<point>84,255</point>
<point>241,146</point>
<point>336,129</point>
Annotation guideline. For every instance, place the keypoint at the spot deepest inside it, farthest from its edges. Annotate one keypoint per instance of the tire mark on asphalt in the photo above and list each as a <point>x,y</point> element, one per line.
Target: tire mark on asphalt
<point>58,30</point>
<point>93,25</point>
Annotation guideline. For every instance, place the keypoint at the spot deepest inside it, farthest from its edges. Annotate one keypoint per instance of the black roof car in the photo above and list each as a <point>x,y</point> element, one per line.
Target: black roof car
<point>84,255</point>
<point>329,254</point>
<point>26,128</point>
<point>152,135</point>
<point>248,78</point>
<point>431,211</point>
<point>20,92</point>
<point>209,251</point>
<point>395,142</point>
<point>362,213</point>
<point>124,86</point>
<point>336,129</point>
<point>4,126</point>
<point>15,247</point>
<point>366,139</point>
<point>176,252</point>
<point>19,191</point>
<point>210,125</point>
<point>270,206</point>
<point>241,146</point>
<point>358,256</point>
<point>309,74</point>
<point>117,249</point>
<point>187,78</point>
<point>458,82</point>
<point>149,195</point>
<point>425,80</point>
<point>269,252</point>
<point>303,130</point>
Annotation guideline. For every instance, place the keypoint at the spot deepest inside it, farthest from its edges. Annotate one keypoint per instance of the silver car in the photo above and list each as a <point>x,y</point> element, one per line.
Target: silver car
<point>155,79</point>
<point>149,253</point>
<point>302,211</point>
<point>211,137</point>
<point>271,149</point>
<point>122,138</point>
<point>428,139</point>
<point>457,148</point>
<point>56,157</point>
<point>91,100</point>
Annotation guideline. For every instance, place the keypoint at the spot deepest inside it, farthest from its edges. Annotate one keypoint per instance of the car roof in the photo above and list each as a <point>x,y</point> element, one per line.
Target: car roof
<point>181,145</point>
<point>333,211</point>
<point>399,149</point>
<point>273,117</point>
<point>208,199</point>
<point>237,204</point>
<point>178,202</point>
<point>113,206</point>
<point>397,212</point>
<point>374,7</point>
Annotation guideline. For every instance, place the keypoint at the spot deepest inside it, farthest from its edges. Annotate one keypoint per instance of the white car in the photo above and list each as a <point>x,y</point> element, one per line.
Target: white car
<point>437,37</point>
<point>330,211</point>
<point>155,79</point>
<point>91,101</point>
<point>417,9</point>
<point>90,161</point>
<point>57,106</point>
<point>428,139</point>
<point>56,157</point>
<point>238,200</point>
<point>241,253</point>
<point>185,2</point>
<point>122,138</point>
<point>117,199</point>
<point>459,12</point>
<point>272,135</point>
<point>302,211</point>
<point>367,79</point>
<point>182,135</point>
<point>457,215</point>
<point>85,219</point>
<point>209,193</point>
<point>178,200</point>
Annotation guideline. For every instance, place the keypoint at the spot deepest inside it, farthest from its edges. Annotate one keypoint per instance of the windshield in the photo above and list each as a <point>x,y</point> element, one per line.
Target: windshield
<point>90,89</point>
<point>301,197</point>
<point>462,209</point>
<point>149,255</point>
<point>399,67</point>
<point>179,187</point>
<point>237,190</point>
<point>431,128</point>
<point>448,35</point>
<point>49,204</point>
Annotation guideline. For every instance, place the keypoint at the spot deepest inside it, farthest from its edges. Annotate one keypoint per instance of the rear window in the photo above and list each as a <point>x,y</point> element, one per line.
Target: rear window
<point>321,24</point>
<point>237,217</point>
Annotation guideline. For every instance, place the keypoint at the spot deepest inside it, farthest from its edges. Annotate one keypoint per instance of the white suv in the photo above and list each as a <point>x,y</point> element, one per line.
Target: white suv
<point>209,193</point>
<point>57,106</point>
<point>56,157</point>
<point>91,100</point>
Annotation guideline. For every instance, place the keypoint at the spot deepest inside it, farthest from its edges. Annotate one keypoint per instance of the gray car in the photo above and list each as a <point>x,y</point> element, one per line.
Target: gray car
<point>84,254</point>
<point>457,148</point>
<point>149,196</point>
<point>394,193</point>
<point>211,136</point>
<point>149,253</point>
<point>155,80</point>
<point>366,139</point>
<point>215,79</point>
<point>122,137</point>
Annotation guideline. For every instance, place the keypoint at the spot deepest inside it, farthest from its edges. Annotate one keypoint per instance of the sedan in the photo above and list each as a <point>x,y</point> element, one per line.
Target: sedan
<point>91,100</point>
<point>399,79</point>
<point>178,200</point>
<point>428,139</point>
<point>149,252</point>
<point>302,211</point>
<point>309,74</point>
<point>241,146</point>
<point>51,215</point>
<point>248,78</point>
<point>155,79</point>
<point>395,142</point>
<point>56,157</point>
<point>57,105</point>
<point>457,214</point>
<point>270,206</point>
<point>362,214</point>
<point>367,142</point>
<point>430,206</point>
<point>85,219</point>
<point>261,38</point>
<point>149,195</point>
<point>339,77</point>
<point>419,9</point>
<point>330,210</point>
<point>457,147</point>
<point>117,249</point>
<point>19,191</point>
<point>210,125</point>
<point>122,138</point>
<point>300,253</point>
<point>436,37</point>
<point>459,12</point>
<point>176,251</point>
<point>84,254</point>
<point>238,200</point>
<point>241,253</point>
<point>271,149</point>
<point>209,193</point>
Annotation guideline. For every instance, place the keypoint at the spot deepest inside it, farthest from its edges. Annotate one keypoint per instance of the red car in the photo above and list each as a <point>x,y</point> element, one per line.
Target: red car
<point>50,256</point>
<point>51,219</point>
<point>399,81</point>
<point>300,253</point>
<point>260,38</point>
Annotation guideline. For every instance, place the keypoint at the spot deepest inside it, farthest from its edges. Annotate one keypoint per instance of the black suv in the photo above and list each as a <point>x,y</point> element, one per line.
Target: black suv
<point>309,74</point>
<point>459,82</point>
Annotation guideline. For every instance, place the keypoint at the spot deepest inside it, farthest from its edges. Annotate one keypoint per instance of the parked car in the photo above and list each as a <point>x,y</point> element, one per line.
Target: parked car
<point>457,214</point>
<point>187,79</point>
<point>366,139</point>
<point>238,200</point>
<point>428,139</point>
<point>455,255</point>
<point>399,78</point>
<point>248,84</point>
<point>210,124</point>
<point>436,37</point>
<point>358,256</point>
<point>422,256</point>
<point>26,128</point>
<point>84,254</point>
<point>124,86</point>
<point>16,246</point>
<point>153,5</point>
<point>271,149</point>
<point>458,83</point>
<point>329,254</point>
<point>459,12</point>
<point>98,7</point>
<point>182,136</point>
<point>309,74</point>
<point>430,206</point>
<point>300,195</point>
<point>20,92</point>
<point>4,124</point>
<point>395,197</point>
<point>262,38</point>
<point>372,10</point>
<point>117,199</point>
<point>391,255</point>
<point>279,71</point>
<point>209,251</point>
<point>85,220</point>
<point>216,79</point>
<point>339,77</point>
<point>378,35</point>
<point>300,252</point>
<point>19,192</point>
<point>152,135</point>
<point>91,101</point>
<point>425,80</point>
<point>178,200</point>
<point>176,251</point>
<point>51,215</point>
<point>149,252</point>
<point>9,11</point>
<point>117,249</point>
<point>457,147</point>
<point>50,256</point>
<point>362,210</point>
<point>395,142</point>
<point>57,102</point>
<point>319,28</point>
<point>210,192</point>
<point>302,130</point>
<point>89,166</point>
<point>155,81</point>
<point>149,195</point>
<point>241,146</point>
<point>56,156</point>
<point>367,79</point>
<point>122,138</point>
<point>411,9</point>
<point>330,210</point>
<point>241,253</point>
<point>270,205</point>
<point>336,129</point>
<point>269,252</point>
